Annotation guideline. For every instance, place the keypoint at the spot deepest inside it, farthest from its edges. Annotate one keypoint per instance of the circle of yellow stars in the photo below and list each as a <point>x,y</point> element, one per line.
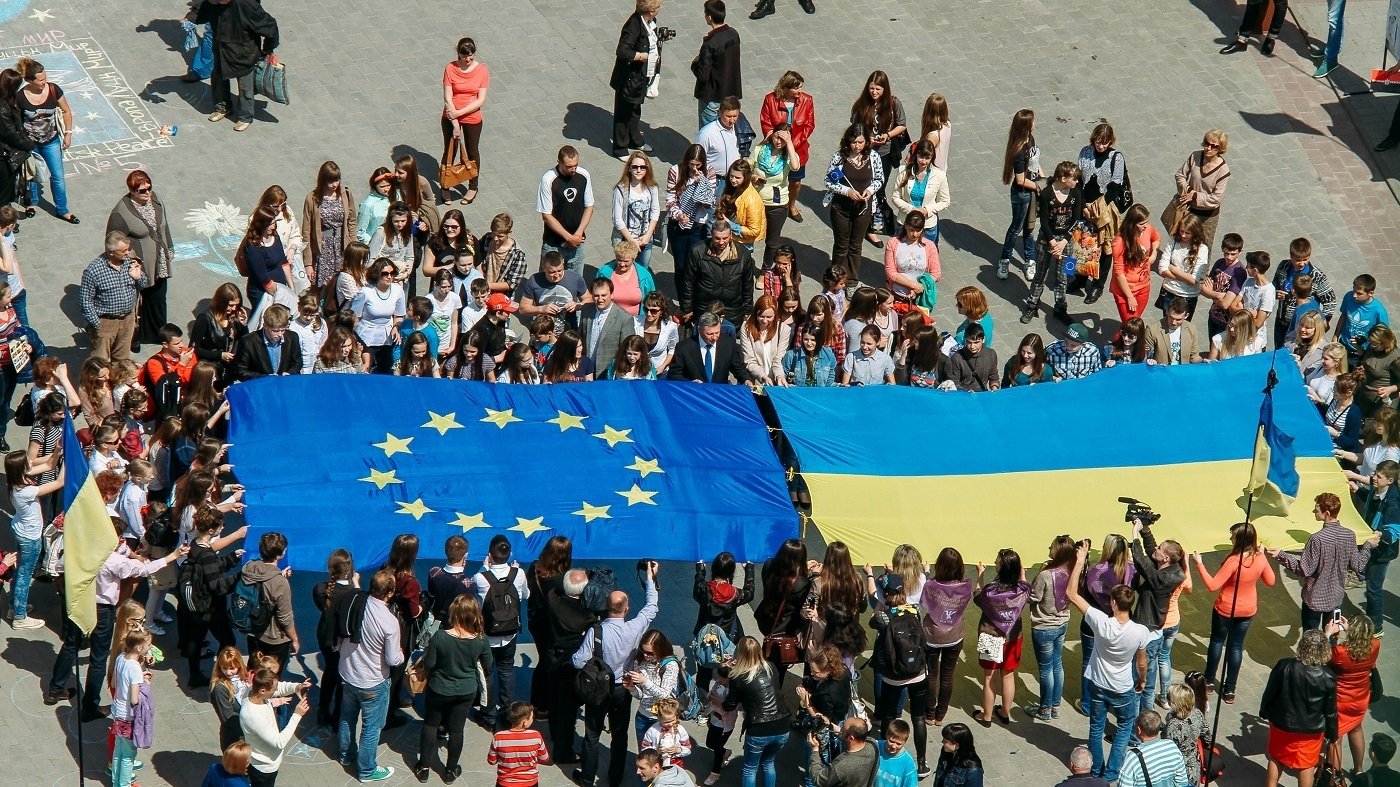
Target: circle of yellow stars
<point>443,423</point>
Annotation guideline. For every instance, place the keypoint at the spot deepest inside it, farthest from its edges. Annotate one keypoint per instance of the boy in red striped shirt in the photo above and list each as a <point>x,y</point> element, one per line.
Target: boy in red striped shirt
<point>518,752</point>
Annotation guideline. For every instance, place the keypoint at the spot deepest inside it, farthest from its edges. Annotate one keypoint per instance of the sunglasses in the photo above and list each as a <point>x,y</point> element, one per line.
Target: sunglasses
<point>638,167</point>
<point>452,226</point>
<point>144,190</point>
<point>646,653</point>
<point>1214,145</point>
<point>653,310</point>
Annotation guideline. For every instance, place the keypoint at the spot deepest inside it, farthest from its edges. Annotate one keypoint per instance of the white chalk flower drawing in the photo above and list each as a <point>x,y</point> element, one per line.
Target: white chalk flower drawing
<point>222,226</point>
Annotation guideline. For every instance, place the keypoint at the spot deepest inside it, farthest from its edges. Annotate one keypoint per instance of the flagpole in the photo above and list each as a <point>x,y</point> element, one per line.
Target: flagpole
<point>1269,383</point>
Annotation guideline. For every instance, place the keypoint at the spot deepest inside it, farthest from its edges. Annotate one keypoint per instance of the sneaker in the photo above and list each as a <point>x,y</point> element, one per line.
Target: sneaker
<point>242,125</point>
<point>155,628</point>
<point>646,148</point>
<point>1055,712</point>
<point>1323,69</point>
<point>28,623</point>
<point>1003,268</point>
<point>1028,313</point>
<point>711,779</point>
<point>161,617</point>
<point>67,694</point>
<point>217,115</point>
<point>1030,271</point>
<point>924,771</point>
<point>137,765</point>
<point>378,775</point>
<point>1043,714</point>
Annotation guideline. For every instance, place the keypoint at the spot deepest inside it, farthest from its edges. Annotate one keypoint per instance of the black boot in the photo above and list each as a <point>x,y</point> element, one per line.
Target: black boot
<point>764,8</point>
<point>1029,311</point>
<point>1094,292</point>
<point>1062,313</point>
<point>808,6</point>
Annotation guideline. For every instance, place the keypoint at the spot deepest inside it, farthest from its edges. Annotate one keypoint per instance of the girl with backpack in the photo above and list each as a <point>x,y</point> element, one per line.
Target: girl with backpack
<point>900,663</point>
<point>719,600</point>
<point>999,633</point>
<point>205,581</point>
<point>342,578</point>
<point>1049,623</point>
<point>651,675</point>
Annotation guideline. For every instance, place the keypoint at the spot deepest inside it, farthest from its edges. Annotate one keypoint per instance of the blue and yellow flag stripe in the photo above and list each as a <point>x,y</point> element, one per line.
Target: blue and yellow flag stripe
<point>88,536</point>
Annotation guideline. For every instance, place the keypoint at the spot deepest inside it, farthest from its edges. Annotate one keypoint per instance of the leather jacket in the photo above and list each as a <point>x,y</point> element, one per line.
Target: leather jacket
<point>759,697</point>
<point>1299,698</point>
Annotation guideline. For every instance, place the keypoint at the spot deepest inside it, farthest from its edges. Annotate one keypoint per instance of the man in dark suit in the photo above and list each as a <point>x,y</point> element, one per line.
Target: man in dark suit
<point>638,57</point>
<point>709,356</point>
<point>603,324</point>
<point>716,67</point>
<point>272,350</point>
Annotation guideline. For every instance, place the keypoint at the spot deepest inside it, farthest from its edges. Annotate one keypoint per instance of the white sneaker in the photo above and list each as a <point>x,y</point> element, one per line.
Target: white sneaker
<point>1030,271</point>
<point>1003,268</point>
<point>162,617</point>
<point>28,623</point>
<point>155,629</point>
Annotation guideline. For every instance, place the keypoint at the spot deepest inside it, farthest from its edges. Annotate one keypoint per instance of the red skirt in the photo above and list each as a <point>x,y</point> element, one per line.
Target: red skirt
<point>1295,750</point>
<point>1010,656</point>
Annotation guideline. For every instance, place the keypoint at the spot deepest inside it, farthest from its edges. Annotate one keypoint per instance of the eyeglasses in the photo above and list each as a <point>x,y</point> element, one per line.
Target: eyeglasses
<point>452,226</point>
<point>386,274</point>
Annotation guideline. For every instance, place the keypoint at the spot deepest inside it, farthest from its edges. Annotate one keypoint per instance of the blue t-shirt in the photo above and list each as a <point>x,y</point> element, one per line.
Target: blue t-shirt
<point>1357,320</point>
<point>897,771</point>
<point>406,330</point>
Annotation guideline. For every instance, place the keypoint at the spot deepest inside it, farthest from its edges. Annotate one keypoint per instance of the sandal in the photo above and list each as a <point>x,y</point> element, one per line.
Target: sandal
<point>470,198</point>
<point>71,219</point>
<point>29,213</point>
<point>1229,698</point>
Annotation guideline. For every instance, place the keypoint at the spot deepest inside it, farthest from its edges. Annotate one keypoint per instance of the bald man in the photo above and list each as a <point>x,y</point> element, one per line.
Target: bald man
<point>620,640</point>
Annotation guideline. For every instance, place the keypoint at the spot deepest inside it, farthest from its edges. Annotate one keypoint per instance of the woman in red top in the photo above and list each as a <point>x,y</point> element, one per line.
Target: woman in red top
<point>1133,252</point>
<point>788,103</point>
<point>1354,654</point>
<point>464,85</point>
<point>1234,608</point>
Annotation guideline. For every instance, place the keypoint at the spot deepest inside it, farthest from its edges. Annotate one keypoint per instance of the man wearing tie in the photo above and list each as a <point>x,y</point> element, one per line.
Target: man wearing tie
<point>271,351</point>
<point>604,325</point>
<point>709,356</point>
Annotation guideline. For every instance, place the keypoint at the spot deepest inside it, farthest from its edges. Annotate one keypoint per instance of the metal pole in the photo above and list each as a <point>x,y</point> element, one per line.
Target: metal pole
<point>78,706</point>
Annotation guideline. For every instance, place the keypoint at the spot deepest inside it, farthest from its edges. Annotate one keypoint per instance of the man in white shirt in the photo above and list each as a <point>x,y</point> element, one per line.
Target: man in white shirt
<point>1115,670</point>
<point>604,325</point>
<point>364,668</point>
<point>719,139</point>
<point>500,612</point>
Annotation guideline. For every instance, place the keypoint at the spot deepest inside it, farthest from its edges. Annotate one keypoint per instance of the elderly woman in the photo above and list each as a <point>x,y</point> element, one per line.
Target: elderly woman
<point>142,217</point>
<point>1200,186</point>
<point>632,283</point>
<point>1300,704</point>
<point>1380,365</point>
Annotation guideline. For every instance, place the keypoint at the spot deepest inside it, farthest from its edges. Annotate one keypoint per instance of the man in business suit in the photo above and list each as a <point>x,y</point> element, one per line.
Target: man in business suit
<point>1173,340</point>
<point>272,350</point>
<point>604,324</point>
<point>709,356</point>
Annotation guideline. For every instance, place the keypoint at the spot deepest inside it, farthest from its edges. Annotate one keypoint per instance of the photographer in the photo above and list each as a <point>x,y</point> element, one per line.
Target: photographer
<point>1161,570</point>
<point>638,62</point>
<point>855,767</point>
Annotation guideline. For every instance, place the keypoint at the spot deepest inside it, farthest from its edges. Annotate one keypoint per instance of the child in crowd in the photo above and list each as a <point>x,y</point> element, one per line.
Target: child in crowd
<point>782,277</point>
<point>474,308</point>
<point>834,290</point>
<point>868,365</point>
<point>516,752</point>
<point>419,320</point>
<point>105,456</point>
<point>1303,302</point>
<point>232,769</point>
<point>133,406</point>
<point>667,735</point>
<point>542,338</point>
<point>310,329</point>
<point>1223,284</point>
<point>726,327</point>
<point>1361,311</point>
<point>897,767</point>
<point>446,305</point>
<point>124,374</point>
<point>720,724</point>
<point>1257,296</point>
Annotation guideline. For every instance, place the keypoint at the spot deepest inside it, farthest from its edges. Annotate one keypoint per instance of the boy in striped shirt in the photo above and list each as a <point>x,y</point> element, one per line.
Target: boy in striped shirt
<point>518,752</point>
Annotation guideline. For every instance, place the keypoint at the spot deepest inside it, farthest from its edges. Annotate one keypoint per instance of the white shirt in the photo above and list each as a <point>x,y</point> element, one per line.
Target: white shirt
<point>1115,649</point>
<point>378,312</point>
<point>129,673</point>
<point>1174,255</point>
<point>1259,298</point>
<point>28,521</point>
<point>721,147</point>
<point>595,332</point>
<point>482,586</point>
<point>259,723</point>
<point>311,341</point>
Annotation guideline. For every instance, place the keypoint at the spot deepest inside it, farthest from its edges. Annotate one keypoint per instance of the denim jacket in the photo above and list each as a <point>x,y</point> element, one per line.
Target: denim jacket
<point>824,370</point>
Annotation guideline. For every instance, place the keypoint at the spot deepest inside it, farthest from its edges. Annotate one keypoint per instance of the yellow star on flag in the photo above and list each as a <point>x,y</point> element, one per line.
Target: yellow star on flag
<point>529,526</point>
<point>614,436</point>
<point>394,445</point>
<point>646,466</point>
<point>590,512</point>
<point>442,422</point>
<point>565,421</point>
<point>635,495</point>
<point>500,417</point>
<point>381,478</point>
<point>469,521</point>
<point>416,508</point>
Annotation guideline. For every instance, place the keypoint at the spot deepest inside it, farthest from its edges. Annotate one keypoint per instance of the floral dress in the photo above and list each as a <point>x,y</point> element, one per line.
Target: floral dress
<point>332,245</point>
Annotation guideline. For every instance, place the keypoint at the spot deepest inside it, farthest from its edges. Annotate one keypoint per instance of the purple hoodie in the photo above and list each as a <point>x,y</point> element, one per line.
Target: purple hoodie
<point>944,604</point>
<point>1002,605</point>
<point>1099,581</point>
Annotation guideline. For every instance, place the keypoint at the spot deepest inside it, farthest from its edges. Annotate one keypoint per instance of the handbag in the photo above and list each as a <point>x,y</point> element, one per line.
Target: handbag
<point>1214,769</point>
<point>417,678</point>
<point>1123,199</point>
<point>782,649</point>
<point>1171,216</point>
<point>483,697</point>
<point>1327,774</point>
<point>457,169</point>
<point>1377,688</point>
<point>990,647</point>
<point>271,81</point>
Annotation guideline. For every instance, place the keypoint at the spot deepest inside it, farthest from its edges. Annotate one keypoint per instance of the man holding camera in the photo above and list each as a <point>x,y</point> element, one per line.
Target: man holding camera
<point>853,767</point>
<point>638,61</point>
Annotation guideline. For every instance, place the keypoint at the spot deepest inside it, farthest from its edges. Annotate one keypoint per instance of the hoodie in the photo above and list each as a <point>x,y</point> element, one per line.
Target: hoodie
<point>673,776</point>
<point>277,595</point>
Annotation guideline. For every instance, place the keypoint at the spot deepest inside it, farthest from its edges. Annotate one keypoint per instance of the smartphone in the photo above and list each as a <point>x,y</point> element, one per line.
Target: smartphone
<point>1336,615</point>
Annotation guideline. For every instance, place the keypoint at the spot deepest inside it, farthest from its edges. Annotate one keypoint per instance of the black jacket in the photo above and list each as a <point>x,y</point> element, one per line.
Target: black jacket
<point>244,33</point>
<point>251,360</point>
<point>721,612</point>
<point>767,617</point>
<point>13,140</point>
<point>209,345</point>
<point>629,75</point>
<point>1299,698</point>
<point>570,620</point>
<point>758,696</point>
<point>1154,585</point>
<point>709,278</point>
<point>689,362</point>
<point>716,68</point>
<point>537,606</point>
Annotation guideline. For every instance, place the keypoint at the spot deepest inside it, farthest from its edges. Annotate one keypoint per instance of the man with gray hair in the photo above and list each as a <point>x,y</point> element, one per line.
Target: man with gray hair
<point>709,356</point>
<point>1155,761</point>
<point>107,297</point>
<point>1081,767</point>
<point>569,619</point>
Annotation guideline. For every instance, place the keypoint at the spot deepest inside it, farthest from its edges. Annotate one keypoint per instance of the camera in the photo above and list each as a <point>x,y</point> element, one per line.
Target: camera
<point>805,723</point>
<point>1140,511</point>
<point>665,34</point>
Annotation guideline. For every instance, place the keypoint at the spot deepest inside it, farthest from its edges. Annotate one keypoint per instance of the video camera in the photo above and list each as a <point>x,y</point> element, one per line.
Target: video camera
<point>1140,511</point>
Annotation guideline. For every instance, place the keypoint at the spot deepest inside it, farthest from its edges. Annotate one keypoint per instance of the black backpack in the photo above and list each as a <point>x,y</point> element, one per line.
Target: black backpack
<point>904,646</point>
<point>165,391</point>
<point>501,606</point>
<point>162,531</point>
<point>601,583</point>
<point>194,593</point>
<point>594,682</point>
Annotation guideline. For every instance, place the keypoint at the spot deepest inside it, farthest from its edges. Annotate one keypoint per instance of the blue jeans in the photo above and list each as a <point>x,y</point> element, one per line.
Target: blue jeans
<point>1375,591</point>
<point>709,112</point>
<point>932,233</point>
<point>1124,705</point>
<point>123,758</point>
<point>502,682</point>
<point>1154,666</point>
<point>1164,662</point>
<point>762,751</point>
<point>21,306</point>
<point>29,551</point>
<point>573,255</point>
<point>642,723</point>
<point>1336,9</point>
<point>52,154</point>
<point>644,255</point>
<point>372,705</point>
<point>1020,209</point>
<point>1086,649</point>
<point>807,780</point>
<point>1226,634</point>
<point>1049,654</point>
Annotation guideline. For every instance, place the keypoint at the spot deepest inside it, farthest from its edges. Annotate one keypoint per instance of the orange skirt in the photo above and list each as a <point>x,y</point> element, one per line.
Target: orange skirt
<point>1295,750</point>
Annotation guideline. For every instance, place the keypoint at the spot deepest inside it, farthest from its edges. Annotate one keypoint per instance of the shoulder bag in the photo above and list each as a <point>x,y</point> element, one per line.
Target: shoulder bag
<point>782,649</point>
<point>456,168</point>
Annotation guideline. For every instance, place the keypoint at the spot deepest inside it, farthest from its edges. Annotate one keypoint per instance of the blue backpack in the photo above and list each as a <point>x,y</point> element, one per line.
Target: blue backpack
<point>711,646</point>
<point>246,609</point>
<point>686,692</point>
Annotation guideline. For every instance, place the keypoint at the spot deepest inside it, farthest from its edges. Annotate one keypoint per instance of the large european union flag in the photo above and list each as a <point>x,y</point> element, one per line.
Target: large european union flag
<point>673,471</point>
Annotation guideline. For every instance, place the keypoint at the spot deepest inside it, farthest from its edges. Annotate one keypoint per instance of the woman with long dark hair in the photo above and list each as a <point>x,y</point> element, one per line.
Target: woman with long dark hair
<point>879,111</point>
<point>1002,600</point>
<point>1236,585</point>
<point>944,599</point>
<point>327,225</point>
<point>407,606</point>
<point>658,331</point>
<point>958,763</point>
<point>920,188</point>
<point>1027,366</point>
<point>544,576</point>
<point>1133,252</point>
<point>936,129</point>
<point>451,241</point>
<point>341,578</point>
<point>690,202</point>
<point>786,585</point>
<point>15,144</point>
<point>216,331</point>
<point>1129,346</point>
<point>854,179</point>
<point>263,257</point>
<point>809,364</point>
<point>289,230</point>
<point>567,362</point>
<point>1020,169</point>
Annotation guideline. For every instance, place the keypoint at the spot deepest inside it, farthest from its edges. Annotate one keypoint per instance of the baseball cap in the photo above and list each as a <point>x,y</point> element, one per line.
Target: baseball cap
<point>1076,332</point>
<point>892,583</point>
<point>500,301</point>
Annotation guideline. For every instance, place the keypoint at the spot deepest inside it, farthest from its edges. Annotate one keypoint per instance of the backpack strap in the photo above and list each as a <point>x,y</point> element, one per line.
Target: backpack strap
<point>598,640</point>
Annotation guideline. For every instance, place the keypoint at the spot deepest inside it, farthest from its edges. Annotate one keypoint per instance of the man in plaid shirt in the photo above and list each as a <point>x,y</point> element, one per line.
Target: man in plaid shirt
<point>1074,357</point>
<point>1327,558</point>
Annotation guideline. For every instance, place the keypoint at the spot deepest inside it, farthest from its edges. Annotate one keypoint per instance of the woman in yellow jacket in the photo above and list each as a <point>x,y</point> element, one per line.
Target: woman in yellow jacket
<point>742,206</point>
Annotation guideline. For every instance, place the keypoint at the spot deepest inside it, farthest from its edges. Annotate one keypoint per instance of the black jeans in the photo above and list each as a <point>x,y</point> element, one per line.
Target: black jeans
<point>99,646</point>
<point>850,220</point>
<point>1394,124</point>
<point>563,710</point>
<point>281,652</point>
<point>627,131</point>
<point>151,313</point>
<point>238,106</point>
<point>502,683</point>
<point>74,641</point>
<point>942,666</point>
<point>777,216</point>
<point>194,630</point>
<point>328,702</point>
<point>715,739</point>
<point>1254,17</point>
<point>616,710</point>
<point>257,778</point>
<point>439,708</point>
<point>887,710</point>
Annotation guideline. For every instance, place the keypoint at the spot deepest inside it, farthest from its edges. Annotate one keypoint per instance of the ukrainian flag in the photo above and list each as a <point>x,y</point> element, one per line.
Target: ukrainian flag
<point>1273,482</point>
<point>88,536</point>
<point>888,465</point>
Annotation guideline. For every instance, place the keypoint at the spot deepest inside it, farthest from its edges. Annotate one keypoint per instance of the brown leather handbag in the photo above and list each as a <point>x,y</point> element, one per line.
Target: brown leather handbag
<point>457,169</point>
<point>782,649</point>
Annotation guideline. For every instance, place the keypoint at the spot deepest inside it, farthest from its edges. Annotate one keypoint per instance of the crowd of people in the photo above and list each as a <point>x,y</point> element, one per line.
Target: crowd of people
<point>396,282</point>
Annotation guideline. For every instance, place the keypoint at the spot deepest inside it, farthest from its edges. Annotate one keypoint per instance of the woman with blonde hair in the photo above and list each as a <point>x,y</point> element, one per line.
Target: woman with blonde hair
<point>232,769</point>
<point>753,684</point>
<point>1331,366</point>
<point>1308,342</point>
<point>1200,186</point>
<point>1114,567</point>
<point>1300,704</point>
<point>1020,170</point>
<point>1186,725</point>
<point>636,206</point>
<point>1239,339</point>
<point>1380,363</point>
<point>1355,650</point>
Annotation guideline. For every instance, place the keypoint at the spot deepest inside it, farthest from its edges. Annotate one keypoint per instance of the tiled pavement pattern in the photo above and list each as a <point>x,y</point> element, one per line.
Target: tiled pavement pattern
<point>365,81</point>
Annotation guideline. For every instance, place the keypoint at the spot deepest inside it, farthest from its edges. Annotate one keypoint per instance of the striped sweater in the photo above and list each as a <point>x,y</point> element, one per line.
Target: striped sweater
<point>517,755</point>
<point>1165,766</point>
